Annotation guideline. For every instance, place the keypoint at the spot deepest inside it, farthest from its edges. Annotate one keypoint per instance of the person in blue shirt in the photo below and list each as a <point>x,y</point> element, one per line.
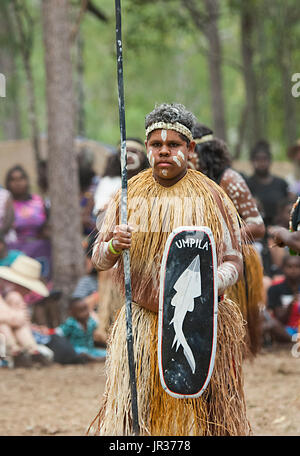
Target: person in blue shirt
<point>79,329</point>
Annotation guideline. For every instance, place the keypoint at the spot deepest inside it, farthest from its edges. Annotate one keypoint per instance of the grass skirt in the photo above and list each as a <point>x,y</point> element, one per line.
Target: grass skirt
<point>219,411</point>
<point>249,294</point>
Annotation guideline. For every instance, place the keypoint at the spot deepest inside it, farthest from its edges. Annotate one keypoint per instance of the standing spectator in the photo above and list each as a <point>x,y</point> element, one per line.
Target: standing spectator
<point>266,187</point>
<point>30,219</point>
<point>268,190</point>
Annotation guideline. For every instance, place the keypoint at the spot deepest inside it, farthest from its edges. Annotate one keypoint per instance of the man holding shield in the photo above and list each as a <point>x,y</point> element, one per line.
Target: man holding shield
<point>161,199</point>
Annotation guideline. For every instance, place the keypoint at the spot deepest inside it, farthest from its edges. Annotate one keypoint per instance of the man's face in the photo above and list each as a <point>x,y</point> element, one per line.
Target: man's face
<point>168,154</point>
<point>261,163</point>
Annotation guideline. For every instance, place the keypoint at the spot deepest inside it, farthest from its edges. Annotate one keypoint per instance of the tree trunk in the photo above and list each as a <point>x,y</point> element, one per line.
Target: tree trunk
<point>10,109</point>
<point>215,67</point>
<point>25,46</point>
<point>68,258</point>
<point>241,130</point>
<point>32,112</point>
<point>254,124</point>
<point>80,87</point>
<point>208,24</point>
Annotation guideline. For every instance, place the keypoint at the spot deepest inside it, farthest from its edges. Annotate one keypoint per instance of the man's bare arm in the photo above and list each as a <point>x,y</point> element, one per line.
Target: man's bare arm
<point>106,253</point>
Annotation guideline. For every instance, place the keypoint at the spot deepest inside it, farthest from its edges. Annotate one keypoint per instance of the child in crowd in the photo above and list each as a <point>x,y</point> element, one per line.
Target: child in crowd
<point>79,329</point>
<point>15,282</point>
<point>283,306</point>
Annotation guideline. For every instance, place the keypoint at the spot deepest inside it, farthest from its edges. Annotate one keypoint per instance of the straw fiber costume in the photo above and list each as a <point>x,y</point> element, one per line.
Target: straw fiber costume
<point>154,210</point>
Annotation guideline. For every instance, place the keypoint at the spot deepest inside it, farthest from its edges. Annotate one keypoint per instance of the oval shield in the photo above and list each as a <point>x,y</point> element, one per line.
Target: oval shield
<point>188,307</point>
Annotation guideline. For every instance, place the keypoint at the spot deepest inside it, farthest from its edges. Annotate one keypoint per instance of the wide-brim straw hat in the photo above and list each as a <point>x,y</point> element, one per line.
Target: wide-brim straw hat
<point>25,271</point>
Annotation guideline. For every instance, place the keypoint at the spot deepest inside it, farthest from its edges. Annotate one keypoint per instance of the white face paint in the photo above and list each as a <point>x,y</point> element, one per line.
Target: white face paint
<point>150,158</point>
<point>181,155</point>
<point>177,161</point>
<point>164,135</point>
<point>135,161</point>
<point>164,172</point>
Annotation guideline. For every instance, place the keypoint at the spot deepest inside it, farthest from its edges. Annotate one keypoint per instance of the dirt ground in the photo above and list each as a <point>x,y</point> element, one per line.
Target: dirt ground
<point>63,400</point>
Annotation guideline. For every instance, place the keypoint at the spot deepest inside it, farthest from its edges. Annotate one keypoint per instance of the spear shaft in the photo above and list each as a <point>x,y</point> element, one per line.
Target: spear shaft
<point>126,256</point>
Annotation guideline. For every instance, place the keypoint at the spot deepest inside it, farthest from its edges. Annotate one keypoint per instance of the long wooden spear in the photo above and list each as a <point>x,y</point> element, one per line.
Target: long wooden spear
<point>126,257</point>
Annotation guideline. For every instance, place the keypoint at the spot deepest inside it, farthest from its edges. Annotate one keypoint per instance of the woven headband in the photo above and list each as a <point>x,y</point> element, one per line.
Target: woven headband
<point>170,126</point>
<point>204,139</point>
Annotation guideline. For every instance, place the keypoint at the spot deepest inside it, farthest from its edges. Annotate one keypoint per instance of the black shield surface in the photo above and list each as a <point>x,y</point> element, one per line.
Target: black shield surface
<point>188,312</point>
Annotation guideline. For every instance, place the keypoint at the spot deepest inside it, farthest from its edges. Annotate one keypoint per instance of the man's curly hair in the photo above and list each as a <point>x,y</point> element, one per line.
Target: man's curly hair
<point>171,113</point>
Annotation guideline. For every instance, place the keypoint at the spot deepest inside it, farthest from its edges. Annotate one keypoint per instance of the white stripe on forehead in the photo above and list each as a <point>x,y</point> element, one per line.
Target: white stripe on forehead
<point>164,135</point>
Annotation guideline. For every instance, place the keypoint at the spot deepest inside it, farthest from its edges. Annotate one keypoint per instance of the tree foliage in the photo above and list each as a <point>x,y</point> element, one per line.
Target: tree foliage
<point>166,59</point>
